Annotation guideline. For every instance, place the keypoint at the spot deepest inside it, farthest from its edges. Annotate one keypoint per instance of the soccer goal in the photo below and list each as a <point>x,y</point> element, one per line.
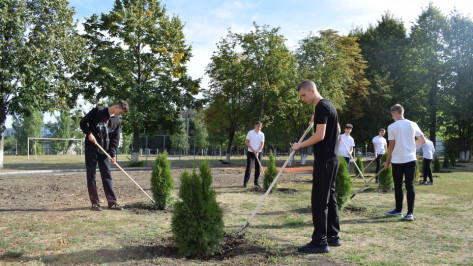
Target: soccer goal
<point>50,139</point>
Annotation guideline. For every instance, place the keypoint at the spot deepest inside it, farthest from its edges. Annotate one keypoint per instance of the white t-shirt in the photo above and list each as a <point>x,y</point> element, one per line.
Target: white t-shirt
<point>349,141</point>
<point>380,144</point>
<point>403,132</point>
<point>255,139</point>
<point>428,149</point>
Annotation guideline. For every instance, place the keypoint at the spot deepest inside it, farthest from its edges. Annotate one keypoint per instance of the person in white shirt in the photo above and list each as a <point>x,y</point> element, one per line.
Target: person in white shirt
<point>402,154</point>
<point>380,147</point>
<point>349,143</point>
<point>255,142</point>
<point>428,151</point>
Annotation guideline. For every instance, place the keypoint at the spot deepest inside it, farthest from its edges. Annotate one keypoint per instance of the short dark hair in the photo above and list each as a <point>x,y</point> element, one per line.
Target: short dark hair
<point>382,129</point>
<point>123,105</point>
<point>306,85</point>
<point>398,109</point>
<point>258,123</point>
<point>348,126</point>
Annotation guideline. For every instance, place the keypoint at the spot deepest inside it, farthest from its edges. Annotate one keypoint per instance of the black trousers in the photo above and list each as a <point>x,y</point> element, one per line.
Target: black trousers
<point>324,202</point>
<point>250,161</point>
<point>427,171</point>
<point>378,164</point>
<point>91,159</point>
<point>407,171</point>
<point>347,159</point>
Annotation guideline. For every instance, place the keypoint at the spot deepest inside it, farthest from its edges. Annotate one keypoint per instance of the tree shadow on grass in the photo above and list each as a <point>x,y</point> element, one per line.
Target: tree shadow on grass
<point>45,210</point>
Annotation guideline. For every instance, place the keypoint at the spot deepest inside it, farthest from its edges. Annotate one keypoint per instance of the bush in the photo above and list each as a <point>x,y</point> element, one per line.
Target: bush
<point>437,167</point>
<point>385,178</point>
<point>342,184</point>
<point>162,184</point>
<point>453,159</point>
<point>446,162</point>
<point>270,174</point>
<point>360,165</point>
<point>197,220</point>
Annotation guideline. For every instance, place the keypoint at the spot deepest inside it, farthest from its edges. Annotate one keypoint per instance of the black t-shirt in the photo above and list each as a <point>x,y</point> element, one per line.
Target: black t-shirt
<point>327,149</point>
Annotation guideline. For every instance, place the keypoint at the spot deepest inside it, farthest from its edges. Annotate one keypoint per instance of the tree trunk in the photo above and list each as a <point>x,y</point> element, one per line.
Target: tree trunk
<point>3,118</point>
<point>231,135</point>
<point>433,113</point>
<point>136,143</point>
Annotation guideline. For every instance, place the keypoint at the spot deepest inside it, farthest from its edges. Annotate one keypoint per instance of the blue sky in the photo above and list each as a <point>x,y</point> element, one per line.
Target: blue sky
<point>207,21</point>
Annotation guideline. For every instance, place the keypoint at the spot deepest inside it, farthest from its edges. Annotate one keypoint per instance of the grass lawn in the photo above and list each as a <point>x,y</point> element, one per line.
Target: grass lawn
<point>442,232</point>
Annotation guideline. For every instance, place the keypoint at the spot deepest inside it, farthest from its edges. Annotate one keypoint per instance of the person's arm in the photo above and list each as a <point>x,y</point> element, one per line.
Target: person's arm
<point>316,138</point>
<point>261,145</point>
<point>247,142</point>
<point>375,149</point>
<point>85,122</point>
<point>114,142</point>
<point>386,164</point>
<point>420,140</point>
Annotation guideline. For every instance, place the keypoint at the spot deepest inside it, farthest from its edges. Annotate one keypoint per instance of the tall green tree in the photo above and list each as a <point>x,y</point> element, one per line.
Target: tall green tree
<point>460,83</point>
<point>427,67</point>
<point>384,47</point>
<point>139,54</point>
<point>40,49</point>
<point>251,74</point>
<point>28,126</point>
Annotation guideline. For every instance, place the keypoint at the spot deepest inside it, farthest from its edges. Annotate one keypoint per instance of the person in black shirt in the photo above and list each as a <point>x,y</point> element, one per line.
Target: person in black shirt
<point>102,126</point>
<point>325,141</point>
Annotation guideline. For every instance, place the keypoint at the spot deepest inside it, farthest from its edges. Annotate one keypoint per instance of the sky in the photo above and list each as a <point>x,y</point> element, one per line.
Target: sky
<point>208,21</point>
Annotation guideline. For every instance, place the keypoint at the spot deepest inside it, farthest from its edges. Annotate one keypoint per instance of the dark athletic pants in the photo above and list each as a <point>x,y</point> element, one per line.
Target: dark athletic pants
<point>378,164</point>
<point>91,159</point>
<point>407,170</point>
<point>427,171</point>
<point>347,159</point>
<point>250,160</point>
<point>324,202</point>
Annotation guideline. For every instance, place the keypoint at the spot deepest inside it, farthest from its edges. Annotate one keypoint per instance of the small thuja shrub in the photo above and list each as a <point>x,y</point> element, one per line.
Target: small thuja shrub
<point>360,165</point>
<point>385,178</point>
<point>197,220</point>
<point>270,174</point>
<point>437,166</point>
<point>342,184</point>
<point>453,159</point>
<point>162,184</point>
<point>446,162</point>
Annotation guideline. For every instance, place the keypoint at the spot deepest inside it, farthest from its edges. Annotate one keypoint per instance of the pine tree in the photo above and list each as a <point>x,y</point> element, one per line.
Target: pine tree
<point>437,167</point>
<point>270,174</point>
<point>385,179</point>
<point>453,159</point>
<point>360,165</point>
<point>197,221</point>
<point>342,184</point>
<point>446,162</point>
<point>162,183</point>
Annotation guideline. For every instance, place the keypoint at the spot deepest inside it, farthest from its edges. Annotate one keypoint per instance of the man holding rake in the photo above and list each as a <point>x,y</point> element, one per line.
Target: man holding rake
<point>102,126</point>
<point>325,141</point>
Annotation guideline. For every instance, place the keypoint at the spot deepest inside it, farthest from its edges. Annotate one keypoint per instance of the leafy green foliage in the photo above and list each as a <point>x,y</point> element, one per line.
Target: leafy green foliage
<point>453,159</point>
<point>162,183</point>
<point>270,174</point>
<point>197,220</point>
<point>28,126</point>
<point>360,165</point>
<point>138,53</point>
<point>446,162</point>
<point>385,179</point>
<point>343,184</point>
<point>437,166</point>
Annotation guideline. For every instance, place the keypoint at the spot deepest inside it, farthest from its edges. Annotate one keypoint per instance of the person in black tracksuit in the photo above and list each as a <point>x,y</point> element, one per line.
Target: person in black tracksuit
<point>102,126</point>
<point>325,143</point>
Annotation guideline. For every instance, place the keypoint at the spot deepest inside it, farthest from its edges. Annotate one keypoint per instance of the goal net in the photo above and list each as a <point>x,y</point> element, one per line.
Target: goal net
<point>47,144</point>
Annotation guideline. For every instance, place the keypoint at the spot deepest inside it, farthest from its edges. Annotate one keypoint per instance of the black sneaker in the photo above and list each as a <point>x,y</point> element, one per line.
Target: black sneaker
<point>245,185</point>
<point>313,249</point>
<point>96,207</point>
<point>257,185</point>
<point>334,241</point>
<point>115,207</point>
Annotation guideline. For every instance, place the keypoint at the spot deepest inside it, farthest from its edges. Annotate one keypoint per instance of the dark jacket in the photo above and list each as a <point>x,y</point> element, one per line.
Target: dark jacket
<point>106,130</point>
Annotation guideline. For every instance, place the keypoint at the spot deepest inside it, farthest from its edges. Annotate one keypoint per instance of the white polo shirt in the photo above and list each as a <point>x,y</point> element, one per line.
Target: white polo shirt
<point>428,149</point>
<point>255,139</point>
<point>380,144</point>
<point>349,142</point>
<point>403,132</point>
